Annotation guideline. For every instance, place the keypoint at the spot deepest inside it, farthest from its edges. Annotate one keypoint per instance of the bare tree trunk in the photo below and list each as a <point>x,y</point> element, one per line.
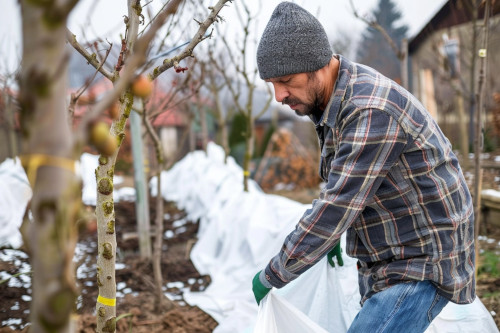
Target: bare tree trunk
<point>204,129</point>
<point>248,78</point>
<point>479,138</point>
<point>190,129</point>
<point>464,135</point>
<point>224,138</point>
<point>105,207</point>
<point>49,161</point>
<point>9,146</point>
<point>106,236</point>
<point>140,183</point>
<point>221,120</point>
<point>404,63</point>
<point>161,302</point>
<point>473,8</point>
<point>249,148</point>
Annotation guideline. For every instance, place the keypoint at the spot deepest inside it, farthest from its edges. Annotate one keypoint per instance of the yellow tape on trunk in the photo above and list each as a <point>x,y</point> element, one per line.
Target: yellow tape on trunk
<point>106,301</point>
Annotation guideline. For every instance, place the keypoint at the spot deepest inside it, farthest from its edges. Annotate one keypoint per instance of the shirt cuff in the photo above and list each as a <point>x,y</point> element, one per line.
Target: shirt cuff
<point>263,280</point>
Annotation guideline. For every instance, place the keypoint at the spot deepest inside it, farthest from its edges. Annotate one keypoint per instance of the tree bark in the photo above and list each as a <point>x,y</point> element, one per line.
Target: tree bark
<point>49,161</point>
<point>106,236</point>
<point>249,147</point>
<point>161,302</point>
<point>479,136</point>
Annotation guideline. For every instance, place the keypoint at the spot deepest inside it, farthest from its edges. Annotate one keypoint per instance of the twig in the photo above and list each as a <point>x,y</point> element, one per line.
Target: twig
<point>120,61</point>
<point>75,96</point>
<point>91,58</point>
<point>134,61</point>
<point>87,84</point>
<point>198,37</point>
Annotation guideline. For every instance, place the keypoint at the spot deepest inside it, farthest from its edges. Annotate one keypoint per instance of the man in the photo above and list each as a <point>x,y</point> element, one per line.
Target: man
<point>392,183</point>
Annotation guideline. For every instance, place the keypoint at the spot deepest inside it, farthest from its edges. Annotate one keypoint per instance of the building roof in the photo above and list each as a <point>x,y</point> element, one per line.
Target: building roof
<point>453,12</point>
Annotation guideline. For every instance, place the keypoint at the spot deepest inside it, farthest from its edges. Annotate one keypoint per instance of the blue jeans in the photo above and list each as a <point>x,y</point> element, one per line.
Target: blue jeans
<point>405,307</point>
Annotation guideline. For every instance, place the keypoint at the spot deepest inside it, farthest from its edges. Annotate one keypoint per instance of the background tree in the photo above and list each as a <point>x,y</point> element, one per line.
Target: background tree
<point>180,92</point>
<point>9,145</point>
<point>381,41</point>
<point>216,86</point>
<point>241,80</point>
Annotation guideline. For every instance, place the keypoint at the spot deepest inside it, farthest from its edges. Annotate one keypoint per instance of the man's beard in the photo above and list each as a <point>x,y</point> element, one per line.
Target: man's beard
<point>308,108</point>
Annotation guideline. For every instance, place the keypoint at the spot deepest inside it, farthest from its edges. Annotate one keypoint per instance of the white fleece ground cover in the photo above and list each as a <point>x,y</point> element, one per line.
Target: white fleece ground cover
<point>239,232</point>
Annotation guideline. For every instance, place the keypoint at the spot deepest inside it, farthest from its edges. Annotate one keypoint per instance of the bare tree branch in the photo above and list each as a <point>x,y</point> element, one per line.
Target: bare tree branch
<point>198,37</point>
<point>87,84</point>
<point>91,58</point>
<point>134,61</point>
<point>75,96</point>
<point>268,102</point>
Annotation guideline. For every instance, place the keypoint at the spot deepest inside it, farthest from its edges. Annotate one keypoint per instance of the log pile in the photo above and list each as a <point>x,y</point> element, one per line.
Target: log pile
<point>495,111</point>
<point>286,164</point>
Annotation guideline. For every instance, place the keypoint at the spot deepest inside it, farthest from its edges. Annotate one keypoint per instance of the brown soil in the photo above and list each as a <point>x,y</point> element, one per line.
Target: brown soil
<point>135,281</point>
<point>135,301</point>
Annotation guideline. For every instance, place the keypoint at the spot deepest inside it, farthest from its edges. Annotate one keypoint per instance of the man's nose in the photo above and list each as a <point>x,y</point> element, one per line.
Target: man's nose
<point>280,92</point>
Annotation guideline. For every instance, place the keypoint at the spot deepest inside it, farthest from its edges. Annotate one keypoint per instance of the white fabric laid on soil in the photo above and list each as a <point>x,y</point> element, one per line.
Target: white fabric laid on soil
<point>240,231</point>
<point>15,193</point>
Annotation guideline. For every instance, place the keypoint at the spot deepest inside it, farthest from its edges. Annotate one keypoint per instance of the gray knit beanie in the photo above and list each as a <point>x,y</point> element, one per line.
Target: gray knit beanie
<point>293,42</point>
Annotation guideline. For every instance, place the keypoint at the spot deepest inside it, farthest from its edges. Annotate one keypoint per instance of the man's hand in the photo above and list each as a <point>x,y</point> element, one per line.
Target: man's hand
<point>335,252</point>
<point>259,290</point>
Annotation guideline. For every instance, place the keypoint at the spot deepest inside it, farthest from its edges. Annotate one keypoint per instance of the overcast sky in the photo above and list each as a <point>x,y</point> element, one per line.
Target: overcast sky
<point>105,17</point>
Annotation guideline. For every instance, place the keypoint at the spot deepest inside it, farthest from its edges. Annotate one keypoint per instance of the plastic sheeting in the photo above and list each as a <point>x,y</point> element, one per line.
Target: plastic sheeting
<point>15,192</point>
<point>240,231</point>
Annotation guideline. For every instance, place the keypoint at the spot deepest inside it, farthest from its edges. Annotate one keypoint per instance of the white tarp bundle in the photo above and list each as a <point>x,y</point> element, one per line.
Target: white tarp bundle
<point>240,231</point>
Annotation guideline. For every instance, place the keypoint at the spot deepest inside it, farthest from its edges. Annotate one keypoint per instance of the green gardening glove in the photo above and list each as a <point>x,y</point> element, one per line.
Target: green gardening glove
<point>259,290</point>
<point>335,252</point>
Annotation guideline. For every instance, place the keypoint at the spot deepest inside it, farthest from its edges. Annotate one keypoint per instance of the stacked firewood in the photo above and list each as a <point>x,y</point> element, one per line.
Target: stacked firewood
<point>496,113</point>
<point>286,164</point>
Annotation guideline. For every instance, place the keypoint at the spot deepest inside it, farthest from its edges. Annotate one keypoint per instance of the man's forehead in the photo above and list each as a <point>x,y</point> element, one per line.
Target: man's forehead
<point>281,78</point>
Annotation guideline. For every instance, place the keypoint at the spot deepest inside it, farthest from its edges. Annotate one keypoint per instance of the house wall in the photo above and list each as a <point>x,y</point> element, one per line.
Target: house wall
<point>168,137</point>
<point>432,84</point>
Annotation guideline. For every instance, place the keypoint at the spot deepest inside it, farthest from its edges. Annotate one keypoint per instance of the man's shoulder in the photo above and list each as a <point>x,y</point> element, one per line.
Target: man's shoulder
<point>367,87</point>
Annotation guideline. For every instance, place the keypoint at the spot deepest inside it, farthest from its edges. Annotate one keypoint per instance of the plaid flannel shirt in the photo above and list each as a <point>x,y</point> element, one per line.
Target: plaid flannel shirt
<point>394,184</point>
